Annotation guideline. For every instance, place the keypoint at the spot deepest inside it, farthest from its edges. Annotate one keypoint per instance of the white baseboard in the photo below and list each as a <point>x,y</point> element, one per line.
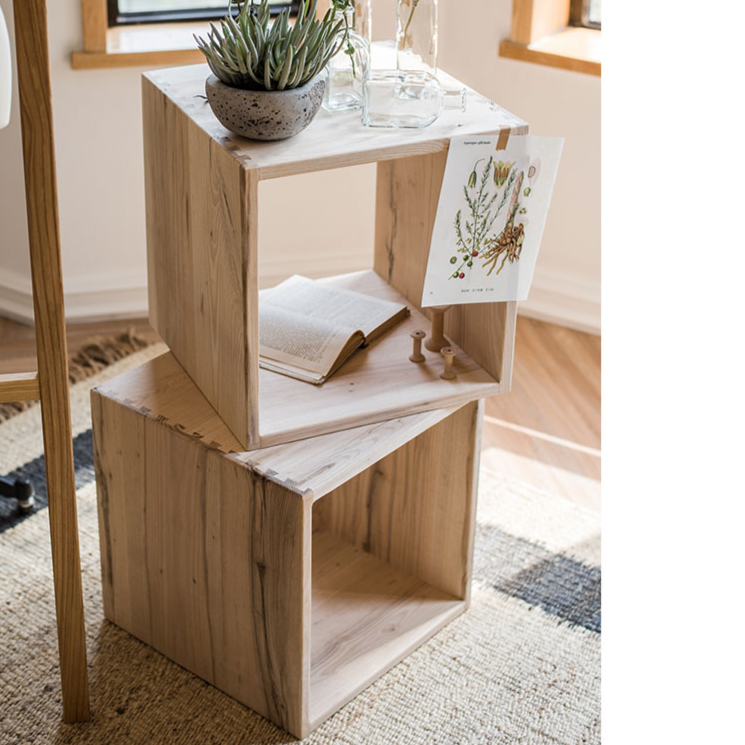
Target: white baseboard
<point>554,297</point>
<point>106,298</point>
<point>86,298</point>
<point>16,301</point>
<point>565,300</point>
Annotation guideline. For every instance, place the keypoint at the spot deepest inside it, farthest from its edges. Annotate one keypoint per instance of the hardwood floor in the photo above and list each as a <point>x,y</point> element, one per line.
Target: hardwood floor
<point>18,344</point>
<point>546,432</point>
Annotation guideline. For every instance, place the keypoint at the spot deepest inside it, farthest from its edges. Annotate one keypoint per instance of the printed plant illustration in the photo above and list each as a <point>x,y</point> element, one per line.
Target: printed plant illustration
<point>475,243</point>
<point>509,243</point>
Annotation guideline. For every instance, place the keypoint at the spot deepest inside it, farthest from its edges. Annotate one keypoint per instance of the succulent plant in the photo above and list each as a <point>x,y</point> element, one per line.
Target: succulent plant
<point>250,52</point>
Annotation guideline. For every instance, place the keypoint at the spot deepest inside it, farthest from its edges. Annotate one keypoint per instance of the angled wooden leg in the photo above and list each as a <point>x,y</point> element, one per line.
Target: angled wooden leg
<point>43,226</point>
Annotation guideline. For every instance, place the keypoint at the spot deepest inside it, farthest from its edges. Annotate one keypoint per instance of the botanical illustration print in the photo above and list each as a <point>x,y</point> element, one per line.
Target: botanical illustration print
<point>490,218</point>
<point>477,247</point>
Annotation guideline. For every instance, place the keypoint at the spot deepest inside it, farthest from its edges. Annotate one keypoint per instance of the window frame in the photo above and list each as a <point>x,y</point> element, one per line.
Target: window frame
<point>141,44</point>
<point>579,15</point>
<point>116,18</point>
<point>542,33</point>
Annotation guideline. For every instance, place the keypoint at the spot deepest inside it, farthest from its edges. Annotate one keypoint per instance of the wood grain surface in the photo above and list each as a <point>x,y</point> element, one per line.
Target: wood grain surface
<point>205,561</point>
<point>202,251</point>
<point>202,227</point>
<point>289,590</point>
<point>332,140</point>
<point>32,50</point>
<point>377,383</point>
<point>19,387</point>
<point>408,192</point>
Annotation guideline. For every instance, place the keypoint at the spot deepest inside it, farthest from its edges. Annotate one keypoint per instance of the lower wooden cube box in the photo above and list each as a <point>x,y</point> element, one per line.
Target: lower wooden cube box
<point>290,577</point>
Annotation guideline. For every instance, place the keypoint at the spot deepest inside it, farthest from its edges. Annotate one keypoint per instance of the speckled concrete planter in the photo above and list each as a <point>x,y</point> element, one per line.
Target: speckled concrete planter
<point>266,115</point>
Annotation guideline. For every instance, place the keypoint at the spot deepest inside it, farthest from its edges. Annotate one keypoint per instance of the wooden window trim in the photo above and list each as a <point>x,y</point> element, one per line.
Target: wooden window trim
<point>138,45</point>
<point>541,34</point>
<point>134,46</point>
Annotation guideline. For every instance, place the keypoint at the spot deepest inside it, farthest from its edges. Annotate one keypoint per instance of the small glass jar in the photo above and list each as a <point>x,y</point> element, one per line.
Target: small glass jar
<point>406,99</point>
<point>416,35</point>
<point>347,70</point>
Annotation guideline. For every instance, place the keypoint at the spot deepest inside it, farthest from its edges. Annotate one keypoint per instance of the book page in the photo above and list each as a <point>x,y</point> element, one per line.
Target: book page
<point>300,339</point>
<point>315,300</point>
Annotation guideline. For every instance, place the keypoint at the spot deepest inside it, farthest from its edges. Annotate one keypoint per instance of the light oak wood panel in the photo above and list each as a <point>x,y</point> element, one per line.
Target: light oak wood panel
<point>202,252</point>
<point>202,240</point>
<point>531,434</point>
<point>205,561</point>
<point>408,192</point>
<point>35,92</point>
<point>381,513</point>
<point>95,24</point>
<point>332,140</point>
<point>377,383</point>
<point>366,618</point>
<point>534,19</point>
<point>19,387</point>
<point>210,561</point>
<point>161,390</point>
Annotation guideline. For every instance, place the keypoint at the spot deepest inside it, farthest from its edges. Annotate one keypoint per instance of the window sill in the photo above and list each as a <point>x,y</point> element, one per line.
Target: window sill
<point>146,45</point>
<point>576,49</point>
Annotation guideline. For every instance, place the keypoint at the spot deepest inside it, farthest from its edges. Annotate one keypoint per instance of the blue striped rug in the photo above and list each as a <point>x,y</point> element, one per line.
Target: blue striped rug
<point>521,666</point>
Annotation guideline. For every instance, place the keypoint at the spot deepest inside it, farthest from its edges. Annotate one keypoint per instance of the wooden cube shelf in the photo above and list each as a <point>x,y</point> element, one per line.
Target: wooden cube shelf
<point>202,189</point>
<point>289,577</point>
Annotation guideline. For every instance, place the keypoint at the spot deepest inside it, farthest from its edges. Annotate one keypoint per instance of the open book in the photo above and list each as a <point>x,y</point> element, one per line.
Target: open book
<point>309,329</point>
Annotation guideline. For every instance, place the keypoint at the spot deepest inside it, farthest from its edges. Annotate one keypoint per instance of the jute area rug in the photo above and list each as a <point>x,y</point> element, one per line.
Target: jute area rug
<point>522,666</point>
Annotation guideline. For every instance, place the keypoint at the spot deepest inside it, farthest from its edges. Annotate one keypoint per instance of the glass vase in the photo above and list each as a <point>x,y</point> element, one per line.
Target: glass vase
<point>347,70</point>
<point>363,19</point>
<point>404,99</point>
<point>416,36</point>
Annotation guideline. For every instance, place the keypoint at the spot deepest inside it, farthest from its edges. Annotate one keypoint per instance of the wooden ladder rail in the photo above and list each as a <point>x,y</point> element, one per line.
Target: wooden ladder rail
<point>19,387</point>
<point>51,386</point>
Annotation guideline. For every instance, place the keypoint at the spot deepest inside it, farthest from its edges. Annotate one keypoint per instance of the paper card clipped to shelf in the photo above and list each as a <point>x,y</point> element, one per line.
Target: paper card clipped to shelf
<point>490,219</point>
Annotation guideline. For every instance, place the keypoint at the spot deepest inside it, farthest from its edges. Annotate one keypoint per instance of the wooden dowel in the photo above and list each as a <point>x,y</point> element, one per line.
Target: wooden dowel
<point>19,387</point>
<point>32,52</point>
<point>437,338</point>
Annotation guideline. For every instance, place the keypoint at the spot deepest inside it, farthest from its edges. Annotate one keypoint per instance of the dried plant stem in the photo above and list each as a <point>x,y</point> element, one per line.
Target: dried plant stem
<point>408,22</point>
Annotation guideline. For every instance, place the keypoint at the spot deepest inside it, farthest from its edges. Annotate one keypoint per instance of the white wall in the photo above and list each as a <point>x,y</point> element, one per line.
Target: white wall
<point>100,176</point>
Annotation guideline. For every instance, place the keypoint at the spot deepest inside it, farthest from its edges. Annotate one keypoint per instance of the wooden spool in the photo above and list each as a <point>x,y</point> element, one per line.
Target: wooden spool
<point>449,354</point>
<point>437,338</point>
<point>416,352</point>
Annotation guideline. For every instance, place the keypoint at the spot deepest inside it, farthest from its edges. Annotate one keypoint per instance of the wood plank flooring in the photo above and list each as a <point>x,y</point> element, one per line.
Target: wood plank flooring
<point>546,432</point>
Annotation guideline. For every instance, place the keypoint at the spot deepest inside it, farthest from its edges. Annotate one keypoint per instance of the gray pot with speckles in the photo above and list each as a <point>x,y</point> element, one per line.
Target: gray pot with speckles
<point>266,115</point>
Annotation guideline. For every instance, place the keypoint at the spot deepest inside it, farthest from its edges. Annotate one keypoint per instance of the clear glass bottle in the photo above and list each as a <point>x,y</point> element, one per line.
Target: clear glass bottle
<point>363,19</point>
<point>347,70</point>
<point>406,99</point>
<point>416,35</point>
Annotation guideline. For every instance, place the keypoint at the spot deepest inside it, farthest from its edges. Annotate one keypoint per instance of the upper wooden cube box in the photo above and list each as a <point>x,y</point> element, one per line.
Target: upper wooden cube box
<point>202,190</point>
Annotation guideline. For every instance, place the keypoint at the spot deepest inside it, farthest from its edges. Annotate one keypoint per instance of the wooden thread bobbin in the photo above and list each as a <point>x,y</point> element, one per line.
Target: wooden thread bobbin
<point>449,354</point>
<point>437,339</point>
<point>416,354</point>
